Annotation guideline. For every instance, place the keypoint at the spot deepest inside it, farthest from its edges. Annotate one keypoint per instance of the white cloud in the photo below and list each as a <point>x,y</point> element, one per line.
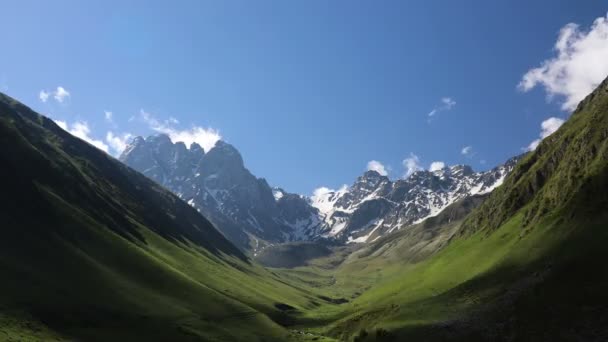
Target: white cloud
<point>108,115</point>
<point>206,137</point>
<point>446,103</point>
<point>374,165</point>
<point>43,96</point>
<point>322,191</point>
<point>118,143</point>
<point>580,65</point>
<point>436,166</point>
<point>80,129</point>
<point>467,151</point>
<point>62,124</point>
<point>61,94</point>
<point>319,192</point>
<point>411,165</point>
<point>548,127</point>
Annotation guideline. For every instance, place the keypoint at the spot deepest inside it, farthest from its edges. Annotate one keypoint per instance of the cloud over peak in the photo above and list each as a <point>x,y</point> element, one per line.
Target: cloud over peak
<point>411,165</point>
<point>436,166</point>
<point>578,67</point>
<point>118,143</point>
<point>374,165</point>
<point>206,137</point>
<point>322,191</point>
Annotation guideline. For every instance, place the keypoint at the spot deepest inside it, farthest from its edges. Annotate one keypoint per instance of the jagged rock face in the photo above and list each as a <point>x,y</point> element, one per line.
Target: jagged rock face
<point>217,183</point>
<point>251,213</point>
<point>296,211</point>
<point>374,206</point>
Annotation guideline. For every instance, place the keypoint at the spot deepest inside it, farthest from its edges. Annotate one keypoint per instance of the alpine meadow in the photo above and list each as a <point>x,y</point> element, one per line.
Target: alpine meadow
<point>161,230</point>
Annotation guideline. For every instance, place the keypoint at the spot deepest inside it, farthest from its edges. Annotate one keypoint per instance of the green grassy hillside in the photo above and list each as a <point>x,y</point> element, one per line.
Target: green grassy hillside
<point>92,250</point>
<point>528,264</point>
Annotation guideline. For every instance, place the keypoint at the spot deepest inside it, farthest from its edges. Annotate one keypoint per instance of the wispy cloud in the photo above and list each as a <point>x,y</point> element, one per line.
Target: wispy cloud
<point>374,165</point>
<point>43,96</point>
<point>411,165</point>
<point>60,94</point>
<point>81,130</point>
<point>114,143</point>
<point>323,191</point>
<point>118,143</point>
<point>579,66</point>
<point>108,116</point>
<point>206,137</point>
<point>445,104</point>
<point>548,127</point>
<point>467,151</point>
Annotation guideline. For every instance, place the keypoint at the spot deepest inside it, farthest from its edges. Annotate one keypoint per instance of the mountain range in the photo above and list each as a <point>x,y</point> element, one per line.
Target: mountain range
<point>93,250</point>
<point>252,214</point>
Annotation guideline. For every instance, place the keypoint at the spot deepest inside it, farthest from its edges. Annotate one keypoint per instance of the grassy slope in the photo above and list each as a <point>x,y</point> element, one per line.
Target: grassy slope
<point>92,250</point>
<point>528,264</point>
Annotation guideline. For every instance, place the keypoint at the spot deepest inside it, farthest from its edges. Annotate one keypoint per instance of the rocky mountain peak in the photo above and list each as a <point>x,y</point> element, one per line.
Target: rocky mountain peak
<point>196,148</point>
<point>245,208</point>
<point>375,205</point>
<point>225,156</point>
<point>251,213</point>
<point>372,178</point>
<point>461,170</point>
<point>159,139</point>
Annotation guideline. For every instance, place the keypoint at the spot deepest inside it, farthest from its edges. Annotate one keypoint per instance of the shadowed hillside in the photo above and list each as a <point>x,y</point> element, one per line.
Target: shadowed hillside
<point>92,250</point>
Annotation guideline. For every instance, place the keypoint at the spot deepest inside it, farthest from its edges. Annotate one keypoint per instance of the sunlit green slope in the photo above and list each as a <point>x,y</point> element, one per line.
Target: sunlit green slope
<point>528,264</point>
<point>92,250</point>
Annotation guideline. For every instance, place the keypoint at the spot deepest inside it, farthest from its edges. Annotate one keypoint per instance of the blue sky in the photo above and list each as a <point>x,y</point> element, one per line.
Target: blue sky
<point>310,91</point>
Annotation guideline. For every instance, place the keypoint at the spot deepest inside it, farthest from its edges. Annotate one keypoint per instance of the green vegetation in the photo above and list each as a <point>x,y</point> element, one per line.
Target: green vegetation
<point>527,264</point>
<point>91,250</point>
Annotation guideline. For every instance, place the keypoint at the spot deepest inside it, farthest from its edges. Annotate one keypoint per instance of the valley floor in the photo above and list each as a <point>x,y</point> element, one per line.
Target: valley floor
<point>509,285</point>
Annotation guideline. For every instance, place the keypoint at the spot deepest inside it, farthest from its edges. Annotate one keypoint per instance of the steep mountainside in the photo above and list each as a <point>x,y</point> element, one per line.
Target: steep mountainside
<point>251,214</point>
<point>528,263</point>
<point>564,165</point>
<point>218,185</point>
<point>94,251</point>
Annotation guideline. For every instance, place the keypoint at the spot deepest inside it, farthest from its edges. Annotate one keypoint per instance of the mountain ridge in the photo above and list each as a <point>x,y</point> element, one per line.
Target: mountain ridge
<point>93,250</point>
<point>252,214</point>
